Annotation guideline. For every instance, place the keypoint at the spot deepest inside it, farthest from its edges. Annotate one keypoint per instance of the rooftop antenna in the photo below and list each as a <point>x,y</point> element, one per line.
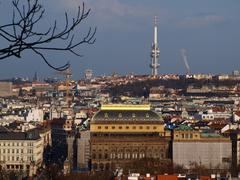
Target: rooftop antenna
<point>155,50</point>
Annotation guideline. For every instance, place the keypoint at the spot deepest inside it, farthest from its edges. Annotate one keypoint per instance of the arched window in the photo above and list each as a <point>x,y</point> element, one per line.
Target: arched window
<point>141,154</point>
<point>105,156</point>
<point>113,155</point>
<point>101,166</point>
<point>135,154</point>
<point>95,166</point>
<point>107,166</point>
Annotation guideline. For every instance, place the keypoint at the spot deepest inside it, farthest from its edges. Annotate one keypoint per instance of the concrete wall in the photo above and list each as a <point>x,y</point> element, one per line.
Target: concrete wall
<point>6,89</point>
<point>209,154</point>
<point>83,151</point>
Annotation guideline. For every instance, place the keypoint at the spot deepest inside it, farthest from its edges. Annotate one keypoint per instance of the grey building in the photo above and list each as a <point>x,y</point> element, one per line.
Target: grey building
<point>83,150</point>
<point>211,154</point>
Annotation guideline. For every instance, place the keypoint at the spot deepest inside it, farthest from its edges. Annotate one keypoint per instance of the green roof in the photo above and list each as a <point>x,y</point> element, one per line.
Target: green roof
<point>211,135</point>
<point>184,127</point>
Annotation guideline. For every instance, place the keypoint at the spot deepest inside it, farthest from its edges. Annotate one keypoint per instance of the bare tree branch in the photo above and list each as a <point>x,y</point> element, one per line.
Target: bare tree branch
<point>21,35</point>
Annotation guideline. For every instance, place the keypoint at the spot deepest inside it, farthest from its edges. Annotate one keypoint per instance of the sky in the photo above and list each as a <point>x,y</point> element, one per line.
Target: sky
<point>207,29</point>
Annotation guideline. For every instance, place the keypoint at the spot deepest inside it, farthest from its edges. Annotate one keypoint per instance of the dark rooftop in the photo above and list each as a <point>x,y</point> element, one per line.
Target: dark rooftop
<point>29,135</point>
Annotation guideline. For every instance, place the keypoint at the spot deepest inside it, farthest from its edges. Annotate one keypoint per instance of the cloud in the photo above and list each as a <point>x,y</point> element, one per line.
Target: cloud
<point>201,20</point>
<point>119,14</point>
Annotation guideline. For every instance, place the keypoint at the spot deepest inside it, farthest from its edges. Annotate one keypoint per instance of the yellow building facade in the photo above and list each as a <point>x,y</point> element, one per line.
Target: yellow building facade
<point>123,133</point>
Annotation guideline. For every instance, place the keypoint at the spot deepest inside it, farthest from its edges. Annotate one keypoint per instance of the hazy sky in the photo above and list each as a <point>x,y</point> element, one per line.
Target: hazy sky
<point>208,29</point>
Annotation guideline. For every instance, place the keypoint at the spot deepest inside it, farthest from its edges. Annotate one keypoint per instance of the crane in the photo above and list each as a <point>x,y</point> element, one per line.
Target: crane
<point>67,75</point>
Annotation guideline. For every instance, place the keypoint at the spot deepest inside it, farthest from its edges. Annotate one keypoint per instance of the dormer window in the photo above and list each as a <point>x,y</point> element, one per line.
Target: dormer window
<point>147,115</point>
<point>106,115</point>
<point>133,115</point>
<point>120,115</point>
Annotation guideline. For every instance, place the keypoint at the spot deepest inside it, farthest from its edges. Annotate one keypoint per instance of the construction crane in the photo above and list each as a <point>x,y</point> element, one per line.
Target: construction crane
<point>184,58</point>
<point>67,75</point>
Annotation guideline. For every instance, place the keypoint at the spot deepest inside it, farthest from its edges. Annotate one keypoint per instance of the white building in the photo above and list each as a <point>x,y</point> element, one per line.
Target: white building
<point>35,115</point>
<point>20,150</point>
<point>211,115</point>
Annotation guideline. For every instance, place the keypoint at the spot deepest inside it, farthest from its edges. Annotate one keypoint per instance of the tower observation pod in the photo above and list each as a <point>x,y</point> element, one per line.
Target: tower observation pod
<point>155,50</point>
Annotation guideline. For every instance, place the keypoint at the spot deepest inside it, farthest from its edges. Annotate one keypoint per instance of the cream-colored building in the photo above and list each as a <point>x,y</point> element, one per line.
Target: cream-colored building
<point>20,150</point>
<point>121,134</point>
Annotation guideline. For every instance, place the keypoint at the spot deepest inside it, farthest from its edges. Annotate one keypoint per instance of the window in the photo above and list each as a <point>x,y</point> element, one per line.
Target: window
<point>134,127</point>
<point>225,160</point>
<point>127,127</point>
<point>120,127</point>
<point>147,115</point>
<point>106,156</point>
<point>113,127</point>
<point>147,127</point>
<point>140,127</point>
<point>106,127</point>
<point>99,127</point>
<point>191,136</point>
<point>182,135</point>
<point>154,127</point>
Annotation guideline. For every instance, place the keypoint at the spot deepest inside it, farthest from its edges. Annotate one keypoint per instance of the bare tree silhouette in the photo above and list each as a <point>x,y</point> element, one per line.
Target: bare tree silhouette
<point>22,32</point>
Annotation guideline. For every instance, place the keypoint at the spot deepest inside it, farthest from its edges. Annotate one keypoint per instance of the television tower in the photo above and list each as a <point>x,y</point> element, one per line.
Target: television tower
<point>155,50</point>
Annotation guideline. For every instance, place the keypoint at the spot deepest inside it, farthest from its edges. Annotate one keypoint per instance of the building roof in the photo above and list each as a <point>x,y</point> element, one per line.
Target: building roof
<point>29,135</point>
<point>126,115</point>
<point>184,127</point>
<point>126,112</point>
<point>3,129</point>
<point>211,135</point>
<point>127,107</point>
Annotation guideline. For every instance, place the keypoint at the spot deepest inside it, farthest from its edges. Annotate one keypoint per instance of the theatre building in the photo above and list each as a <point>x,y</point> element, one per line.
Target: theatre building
<point>124,133</point>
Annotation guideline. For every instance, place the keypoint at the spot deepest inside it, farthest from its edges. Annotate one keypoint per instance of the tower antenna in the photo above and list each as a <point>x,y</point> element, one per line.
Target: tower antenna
<point>155,50</point>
